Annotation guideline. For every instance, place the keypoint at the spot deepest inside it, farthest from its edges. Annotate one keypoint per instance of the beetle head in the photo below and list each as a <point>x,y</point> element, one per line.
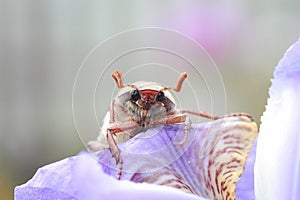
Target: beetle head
<point>147,94</point>
<point>147,98</point>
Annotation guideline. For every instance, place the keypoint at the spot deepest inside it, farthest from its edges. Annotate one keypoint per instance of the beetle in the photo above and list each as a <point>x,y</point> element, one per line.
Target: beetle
<point>138,107</point>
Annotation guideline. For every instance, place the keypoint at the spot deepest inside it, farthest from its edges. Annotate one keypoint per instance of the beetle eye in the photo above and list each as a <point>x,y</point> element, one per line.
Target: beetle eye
<point>135,95</point>
<point>160,96</point>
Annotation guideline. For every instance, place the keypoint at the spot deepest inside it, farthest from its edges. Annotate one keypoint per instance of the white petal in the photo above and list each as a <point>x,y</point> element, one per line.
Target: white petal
<point>277,168</point>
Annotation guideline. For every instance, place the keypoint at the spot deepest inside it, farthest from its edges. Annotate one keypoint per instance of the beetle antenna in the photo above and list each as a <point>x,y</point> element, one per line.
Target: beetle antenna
<point>180,80</point>
<point>117,76</point>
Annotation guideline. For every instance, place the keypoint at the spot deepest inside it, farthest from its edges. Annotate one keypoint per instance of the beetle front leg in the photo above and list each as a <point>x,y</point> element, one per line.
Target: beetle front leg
<point>115,151</point>
<point>113,130</point>
<point>113,147</point>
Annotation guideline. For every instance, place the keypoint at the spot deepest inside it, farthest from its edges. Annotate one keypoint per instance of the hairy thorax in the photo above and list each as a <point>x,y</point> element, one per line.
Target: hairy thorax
<point>145,118</point>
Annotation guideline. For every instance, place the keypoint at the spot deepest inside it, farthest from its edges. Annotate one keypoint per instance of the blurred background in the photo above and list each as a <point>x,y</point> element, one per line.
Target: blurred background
<point>43,43</point>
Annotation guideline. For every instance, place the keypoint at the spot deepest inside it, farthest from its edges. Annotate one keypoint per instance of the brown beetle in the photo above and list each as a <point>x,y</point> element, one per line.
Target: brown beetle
<point>138,107</point>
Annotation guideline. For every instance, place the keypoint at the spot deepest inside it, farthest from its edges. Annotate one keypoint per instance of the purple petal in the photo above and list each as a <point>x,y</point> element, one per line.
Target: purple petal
<point>94,184</point>
<point>81,177</point>
<point>245,186</point>
<point>208,165</point>
<point>49,182</point>
<point>277,168</point>
<point>193,162</point>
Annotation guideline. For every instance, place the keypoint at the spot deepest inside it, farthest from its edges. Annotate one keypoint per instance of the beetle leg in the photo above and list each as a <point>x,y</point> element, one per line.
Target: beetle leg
<point>115,151</point>
<point>117,128</point>
<point>113,147</point>
<point>187,125</point>
<point>209,116</point>
<point>200,114</point>
<point>174,119</point>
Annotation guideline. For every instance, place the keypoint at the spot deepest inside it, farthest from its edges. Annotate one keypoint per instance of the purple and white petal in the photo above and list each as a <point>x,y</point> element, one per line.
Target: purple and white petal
<point>207,166</point>
<point>277,168</point>
<point>81,177</point>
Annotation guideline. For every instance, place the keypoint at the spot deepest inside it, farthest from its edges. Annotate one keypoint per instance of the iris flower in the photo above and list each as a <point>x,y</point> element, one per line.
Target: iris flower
<point>215,162</point>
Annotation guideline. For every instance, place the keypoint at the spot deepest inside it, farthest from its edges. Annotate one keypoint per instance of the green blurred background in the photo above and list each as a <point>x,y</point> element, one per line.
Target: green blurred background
<point>43,43</point>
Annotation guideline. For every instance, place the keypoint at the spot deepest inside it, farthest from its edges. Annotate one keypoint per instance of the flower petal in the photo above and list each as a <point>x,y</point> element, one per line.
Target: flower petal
<point>277,168</point>
<point>208,164</point>
<point>245,186</point>
<point>81,177</point>
<point>49,182</point>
